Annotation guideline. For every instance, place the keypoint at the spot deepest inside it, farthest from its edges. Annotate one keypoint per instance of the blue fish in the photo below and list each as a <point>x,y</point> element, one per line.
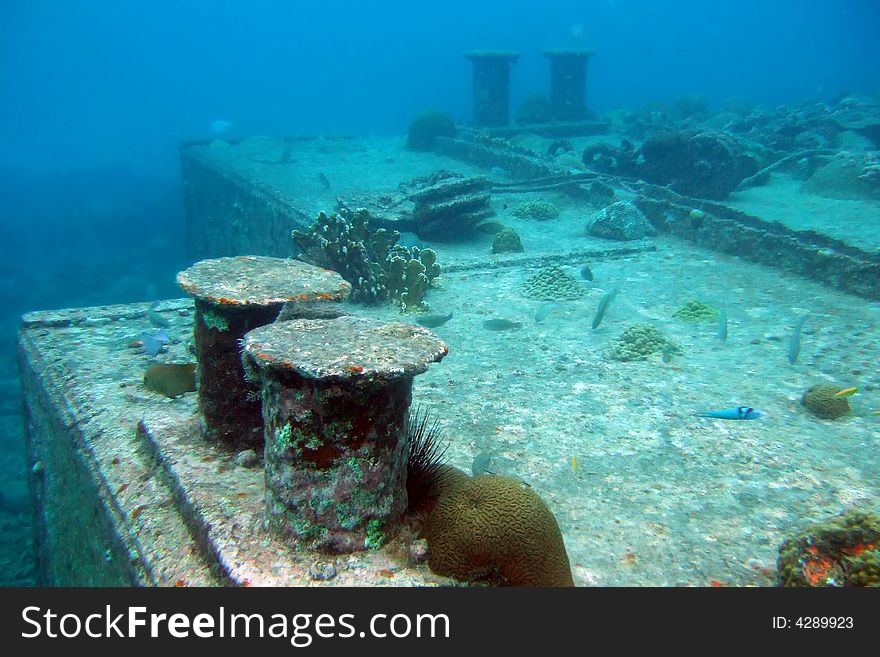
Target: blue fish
<point>738,413</point>
<point>220,126</point>
<point>155,318</point>
<point>154,343</point>
<point>544,310</point>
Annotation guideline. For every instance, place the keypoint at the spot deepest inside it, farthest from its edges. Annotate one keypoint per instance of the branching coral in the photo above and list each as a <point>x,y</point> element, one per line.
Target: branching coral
<point>377,267</point>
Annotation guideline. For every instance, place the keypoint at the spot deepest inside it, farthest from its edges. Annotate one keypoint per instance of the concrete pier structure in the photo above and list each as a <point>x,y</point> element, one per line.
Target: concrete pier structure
<point>568,83</point>
<point>492,86</point>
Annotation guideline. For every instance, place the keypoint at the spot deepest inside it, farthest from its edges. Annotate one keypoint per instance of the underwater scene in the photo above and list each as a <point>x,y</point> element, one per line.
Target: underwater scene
<point>580,294</point>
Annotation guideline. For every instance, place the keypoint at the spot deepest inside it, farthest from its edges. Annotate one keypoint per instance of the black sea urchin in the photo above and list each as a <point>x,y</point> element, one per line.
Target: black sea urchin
<point>425,463</point>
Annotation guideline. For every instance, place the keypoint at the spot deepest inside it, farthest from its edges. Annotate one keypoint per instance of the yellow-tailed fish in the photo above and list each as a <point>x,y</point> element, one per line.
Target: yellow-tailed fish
<point>574,465</point>
<point>846,392</point>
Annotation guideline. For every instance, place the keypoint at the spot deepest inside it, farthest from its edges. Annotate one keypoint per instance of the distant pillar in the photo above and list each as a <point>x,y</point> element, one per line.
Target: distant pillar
<point>492,86</point>
<point>568,83</point>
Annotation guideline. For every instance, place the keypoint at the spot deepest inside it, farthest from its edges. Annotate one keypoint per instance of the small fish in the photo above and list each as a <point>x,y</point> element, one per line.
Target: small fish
<point>668,352</point>
<point>481,464</point>
<point>875,412</point>
<point>220,127</point>
<point>499,172</point>
<point>738,413</point>
<point>586,273</point>
<point>846,392</point>
<point>722,324</point>
<point>490,227</point>
<point>603,306</point>
<point>171,379</point>
<point>794,345</point>
<point>574,465</point>
<point>433,321</point>
<point>324,180</point>
<point>155,318</point>
<point>501,324</point>
<point>153,343</point>
<point>544,310</point>
<point>410,240</point>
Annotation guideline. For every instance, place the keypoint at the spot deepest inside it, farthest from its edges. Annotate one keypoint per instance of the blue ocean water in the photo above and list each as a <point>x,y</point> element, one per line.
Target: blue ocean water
<point>97,96</point>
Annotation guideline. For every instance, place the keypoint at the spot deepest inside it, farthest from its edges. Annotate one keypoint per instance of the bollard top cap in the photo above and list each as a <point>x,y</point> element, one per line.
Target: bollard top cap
<point>510,55</point>
<point>346,348</point>
<point>261,281</point>
<point>573,53</point>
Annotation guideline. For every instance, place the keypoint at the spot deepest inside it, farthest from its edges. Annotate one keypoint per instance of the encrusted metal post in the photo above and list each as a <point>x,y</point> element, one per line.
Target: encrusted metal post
<point>492,86</point>
<point>232,296</point>
<point>336,397</point>
<point>568,83</point>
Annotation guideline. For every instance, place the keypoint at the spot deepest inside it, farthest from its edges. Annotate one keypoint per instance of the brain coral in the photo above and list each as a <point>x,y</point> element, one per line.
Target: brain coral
<point>842,551</point>
<point>497,528</point>
<point>426,127</point>
<point>507,241</point>
<point>820,401</point>
<point>620,221</point>
<point>553,284</point>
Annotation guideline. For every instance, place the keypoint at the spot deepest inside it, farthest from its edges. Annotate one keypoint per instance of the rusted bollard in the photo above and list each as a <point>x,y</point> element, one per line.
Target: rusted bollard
<point>232,296</point>
<point>336,397</point>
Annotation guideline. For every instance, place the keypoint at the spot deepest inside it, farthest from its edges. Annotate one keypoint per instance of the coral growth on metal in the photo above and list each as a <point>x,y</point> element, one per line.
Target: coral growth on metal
<point>261,281</point>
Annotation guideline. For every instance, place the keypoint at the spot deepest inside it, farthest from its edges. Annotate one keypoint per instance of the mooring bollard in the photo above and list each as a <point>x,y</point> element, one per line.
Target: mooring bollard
<point>232,296</point>
<point>336,397</point>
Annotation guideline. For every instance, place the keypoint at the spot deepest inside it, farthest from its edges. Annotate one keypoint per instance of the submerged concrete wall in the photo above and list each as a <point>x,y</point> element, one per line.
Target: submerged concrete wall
<point>101,516</point>
<point>227,215</point>
<point>126,489</point>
